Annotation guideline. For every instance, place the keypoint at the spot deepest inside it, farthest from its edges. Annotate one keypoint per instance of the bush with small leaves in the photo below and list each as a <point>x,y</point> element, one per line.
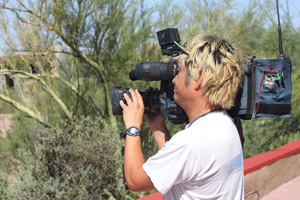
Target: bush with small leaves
<point>81,159</point>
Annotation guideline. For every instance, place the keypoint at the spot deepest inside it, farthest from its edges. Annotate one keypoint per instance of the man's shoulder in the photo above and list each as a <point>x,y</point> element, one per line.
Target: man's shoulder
<point>214,127</point>
<point>217,128</point>
<point>214,121</point>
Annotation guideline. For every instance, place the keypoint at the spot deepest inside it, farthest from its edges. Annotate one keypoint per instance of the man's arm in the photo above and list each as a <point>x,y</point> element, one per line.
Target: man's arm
<point>136,178</point>
<point>159,129</point>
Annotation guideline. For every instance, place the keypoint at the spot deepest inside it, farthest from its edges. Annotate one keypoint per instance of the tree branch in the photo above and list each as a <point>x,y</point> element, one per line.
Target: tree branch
<point>100,70</point>
<point>24,109</point>
<point>51,92</point>
<point>74,88</point>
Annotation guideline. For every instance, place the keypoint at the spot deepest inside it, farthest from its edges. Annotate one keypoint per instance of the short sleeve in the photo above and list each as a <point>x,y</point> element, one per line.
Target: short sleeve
<point>170,166</point>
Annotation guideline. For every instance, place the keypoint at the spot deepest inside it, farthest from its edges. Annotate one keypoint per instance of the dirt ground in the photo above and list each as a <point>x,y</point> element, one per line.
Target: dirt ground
<point>5,124</point>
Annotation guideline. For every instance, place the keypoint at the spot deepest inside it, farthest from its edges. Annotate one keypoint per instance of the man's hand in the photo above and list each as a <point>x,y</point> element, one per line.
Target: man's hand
<point>159,129</point>
<point>155,121</point>
<point>134,110</point>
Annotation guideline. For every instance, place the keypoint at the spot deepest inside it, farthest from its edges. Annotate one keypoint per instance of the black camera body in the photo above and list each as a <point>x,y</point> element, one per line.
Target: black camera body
<point>156,101</point>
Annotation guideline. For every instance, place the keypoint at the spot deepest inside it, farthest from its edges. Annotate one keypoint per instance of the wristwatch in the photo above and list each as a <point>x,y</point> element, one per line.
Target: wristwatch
<point>133,131</point>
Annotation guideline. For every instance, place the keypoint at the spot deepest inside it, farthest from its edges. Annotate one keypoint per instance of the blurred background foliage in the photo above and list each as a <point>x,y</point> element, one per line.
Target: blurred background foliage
<point>60,57</point>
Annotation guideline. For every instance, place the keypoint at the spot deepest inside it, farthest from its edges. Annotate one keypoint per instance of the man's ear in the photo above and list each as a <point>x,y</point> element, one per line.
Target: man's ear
<point>199,81</point>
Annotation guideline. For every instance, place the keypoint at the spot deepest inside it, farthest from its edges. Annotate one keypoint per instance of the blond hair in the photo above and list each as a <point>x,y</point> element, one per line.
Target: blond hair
<point>220,64</point>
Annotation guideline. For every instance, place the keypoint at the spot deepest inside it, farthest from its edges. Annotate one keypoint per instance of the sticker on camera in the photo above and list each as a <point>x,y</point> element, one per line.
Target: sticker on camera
<point>270,80</point>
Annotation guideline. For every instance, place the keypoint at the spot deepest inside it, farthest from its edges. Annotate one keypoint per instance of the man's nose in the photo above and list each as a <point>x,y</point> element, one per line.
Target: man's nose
<point>173,80</point>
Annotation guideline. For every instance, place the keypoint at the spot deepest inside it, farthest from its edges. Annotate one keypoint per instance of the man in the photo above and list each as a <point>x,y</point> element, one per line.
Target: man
<point>205,160</point>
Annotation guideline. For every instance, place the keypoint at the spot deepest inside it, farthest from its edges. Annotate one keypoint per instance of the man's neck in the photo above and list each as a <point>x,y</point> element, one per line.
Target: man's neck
<point>196,112</point>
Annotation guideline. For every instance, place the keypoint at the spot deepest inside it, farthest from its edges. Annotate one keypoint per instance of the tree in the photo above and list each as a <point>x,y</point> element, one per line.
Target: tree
<point>87,36</point>
<point>70,51</point>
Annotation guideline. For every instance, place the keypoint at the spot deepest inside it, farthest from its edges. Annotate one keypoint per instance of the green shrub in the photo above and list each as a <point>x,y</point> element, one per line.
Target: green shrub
<point>81,159</point>
<point>3,186</point>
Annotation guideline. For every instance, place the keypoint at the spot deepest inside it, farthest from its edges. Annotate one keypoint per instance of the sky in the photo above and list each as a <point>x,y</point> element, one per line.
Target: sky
<point>292,5</point>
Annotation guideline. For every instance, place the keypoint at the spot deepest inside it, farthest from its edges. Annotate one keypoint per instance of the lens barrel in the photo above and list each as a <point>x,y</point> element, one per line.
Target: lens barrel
<point>153,71</point>
<point>150,98</point>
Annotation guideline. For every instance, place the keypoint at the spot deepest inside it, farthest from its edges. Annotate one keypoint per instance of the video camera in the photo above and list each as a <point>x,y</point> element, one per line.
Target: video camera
<point>266,91</point>
<point>156,101</point>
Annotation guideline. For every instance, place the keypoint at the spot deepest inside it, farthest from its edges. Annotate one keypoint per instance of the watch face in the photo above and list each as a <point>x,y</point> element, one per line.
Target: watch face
<point>133,130</point>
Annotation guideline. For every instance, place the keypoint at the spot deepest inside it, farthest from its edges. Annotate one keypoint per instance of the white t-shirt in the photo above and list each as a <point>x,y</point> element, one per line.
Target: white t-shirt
<point>203,161</point>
